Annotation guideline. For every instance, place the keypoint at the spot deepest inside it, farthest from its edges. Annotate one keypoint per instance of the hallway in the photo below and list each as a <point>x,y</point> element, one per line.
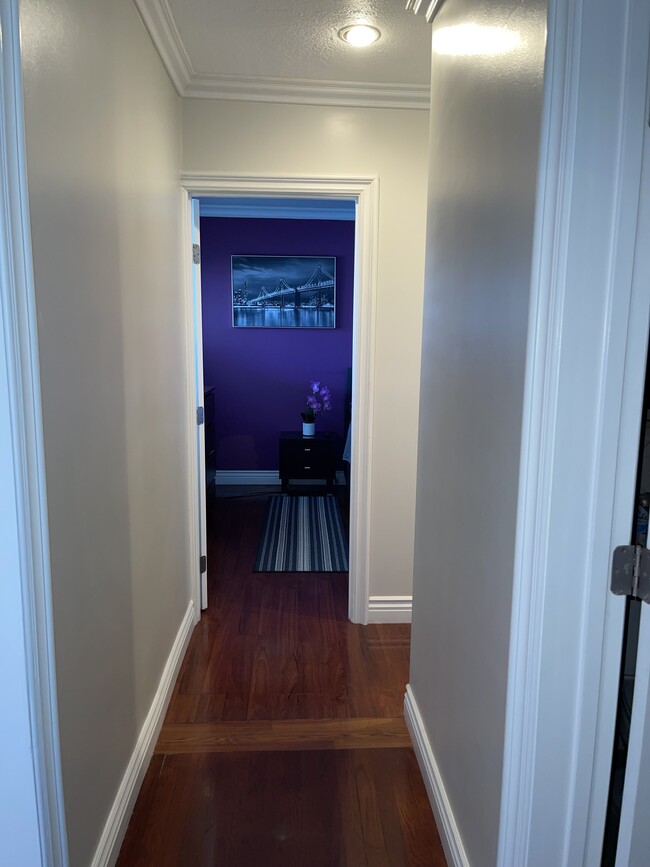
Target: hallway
<point>284,742</point>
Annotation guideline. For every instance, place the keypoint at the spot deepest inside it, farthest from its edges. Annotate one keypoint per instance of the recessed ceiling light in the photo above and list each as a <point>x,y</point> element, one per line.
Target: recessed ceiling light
<point>359,35</point>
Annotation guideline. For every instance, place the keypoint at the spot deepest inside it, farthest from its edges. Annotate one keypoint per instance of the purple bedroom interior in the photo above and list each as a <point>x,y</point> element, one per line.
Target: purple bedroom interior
<point>261,376</point>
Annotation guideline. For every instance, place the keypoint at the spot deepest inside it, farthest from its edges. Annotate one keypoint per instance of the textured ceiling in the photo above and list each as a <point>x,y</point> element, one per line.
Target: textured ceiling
<point>289,50</point>
<point>297,39</point>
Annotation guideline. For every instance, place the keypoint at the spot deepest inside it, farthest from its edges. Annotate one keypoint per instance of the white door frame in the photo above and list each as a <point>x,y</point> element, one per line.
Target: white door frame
<point>35,806</point>
<point>365,192</point>
<point>588,332</point>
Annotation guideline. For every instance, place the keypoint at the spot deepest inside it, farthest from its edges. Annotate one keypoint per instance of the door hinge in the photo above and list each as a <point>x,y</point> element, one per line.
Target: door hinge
<point>631,572</point>
<point>196,254</point>
<point>200,415</point>
<point>204,563</point>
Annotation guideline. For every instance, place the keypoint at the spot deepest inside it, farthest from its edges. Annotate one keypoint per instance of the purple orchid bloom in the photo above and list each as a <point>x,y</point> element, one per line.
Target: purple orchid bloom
<point>319,400</point>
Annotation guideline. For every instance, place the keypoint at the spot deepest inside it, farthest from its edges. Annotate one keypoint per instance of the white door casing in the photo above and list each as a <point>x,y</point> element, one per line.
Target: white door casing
<point>365,192</point>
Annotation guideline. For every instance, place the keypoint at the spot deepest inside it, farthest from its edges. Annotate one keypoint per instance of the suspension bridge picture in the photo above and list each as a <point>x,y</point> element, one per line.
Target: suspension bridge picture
<point>283,291</point>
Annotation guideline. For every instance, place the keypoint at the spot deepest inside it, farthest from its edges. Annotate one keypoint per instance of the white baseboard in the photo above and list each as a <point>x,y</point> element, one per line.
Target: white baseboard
<point>447,827</point>
<point>247,477</point>
<point>110,842</point>
<point>390,609</point>
<point>257,477</point>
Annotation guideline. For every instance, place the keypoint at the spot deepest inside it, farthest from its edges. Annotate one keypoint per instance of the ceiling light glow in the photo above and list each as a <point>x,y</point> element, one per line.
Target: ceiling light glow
<point>466,40</point>
<point>359,35</point>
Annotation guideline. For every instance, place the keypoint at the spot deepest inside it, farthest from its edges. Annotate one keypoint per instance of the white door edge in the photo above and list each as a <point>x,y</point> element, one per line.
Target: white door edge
<point>632,837</point>
<point>631,850</point>
<point>197,310</point>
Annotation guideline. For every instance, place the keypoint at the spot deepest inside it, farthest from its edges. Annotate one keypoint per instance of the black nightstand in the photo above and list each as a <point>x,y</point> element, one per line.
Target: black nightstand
<point>314,457</point>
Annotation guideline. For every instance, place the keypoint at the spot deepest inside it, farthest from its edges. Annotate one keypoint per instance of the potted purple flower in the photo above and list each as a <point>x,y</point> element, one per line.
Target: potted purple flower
<point>319,400</point>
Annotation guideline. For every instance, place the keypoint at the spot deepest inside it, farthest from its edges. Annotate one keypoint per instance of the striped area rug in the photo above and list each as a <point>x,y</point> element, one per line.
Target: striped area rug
<point>302,534</point>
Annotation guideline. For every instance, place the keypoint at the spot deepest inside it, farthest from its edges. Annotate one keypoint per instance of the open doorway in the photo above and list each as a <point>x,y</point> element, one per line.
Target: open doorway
<point>254,255</point>
<point>363,194</point>
<point>277,313</point>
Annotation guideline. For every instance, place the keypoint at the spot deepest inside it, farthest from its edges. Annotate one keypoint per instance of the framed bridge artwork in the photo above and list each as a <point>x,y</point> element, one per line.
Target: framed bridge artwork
<point>283,291</point>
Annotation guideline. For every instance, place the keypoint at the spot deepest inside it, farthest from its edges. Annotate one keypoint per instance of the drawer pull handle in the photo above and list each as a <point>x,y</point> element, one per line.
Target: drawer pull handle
<point>307,468</point>
<point>307,450</point>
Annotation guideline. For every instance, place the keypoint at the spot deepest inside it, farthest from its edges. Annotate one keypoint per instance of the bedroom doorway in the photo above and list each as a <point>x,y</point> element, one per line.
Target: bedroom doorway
<point>362,196</point>
<point>277,280</point>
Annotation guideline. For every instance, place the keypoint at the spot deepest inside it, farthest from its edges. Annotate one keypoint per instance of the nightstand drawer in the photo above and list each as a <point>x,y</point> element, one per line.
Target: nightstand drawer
<point>309,471</point>
<point>297,452</point>
<point>297,463</point>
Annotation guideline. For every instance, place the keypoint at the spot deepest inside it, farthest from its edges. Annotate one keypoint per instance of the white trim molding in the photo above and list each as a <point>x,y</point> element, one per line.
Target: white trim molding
<point>18,321</point>
<point>365,192</point>
<point>390,609</point>
<point>161,26</point>
<point>537,444</point>
<point>248,477</point>
<point>429,8</point>
<point>309,91</point>
<point>117,822</point>
<point>159,21</point>
<point>265,478</point>
<point>450,836</point>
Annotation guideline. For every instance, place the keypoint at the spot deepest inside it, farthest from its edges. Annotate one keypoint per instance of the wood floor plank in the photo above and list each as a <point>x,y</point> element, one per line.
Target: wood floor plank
<point>262,735</point>
<point>297,622</point>
<point>298,705</point>
<point>282,809</point>
<point>408,810</point>
<point>284,744</point>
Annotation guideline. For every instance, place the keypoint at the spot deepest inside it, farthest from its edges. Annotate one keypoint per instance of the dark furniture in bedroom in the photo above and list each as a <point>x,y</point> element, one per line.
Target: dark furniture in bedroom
<point>309,458</point>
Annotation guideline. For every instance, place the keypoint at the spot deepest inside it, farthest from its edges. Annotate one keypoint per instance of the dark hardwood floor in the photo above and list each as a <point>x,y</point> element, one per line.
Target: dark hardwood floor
<point>284,744</point>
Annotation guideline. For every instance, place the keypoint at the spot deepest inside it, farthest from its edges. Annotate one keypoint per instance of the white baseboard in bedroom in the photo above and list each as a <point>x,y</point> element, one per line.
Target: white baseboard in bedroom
<point>447,827</point>
<point>390,609</point>
<point>110,842</point>
<point>258,477</point>
<point>247,477</point>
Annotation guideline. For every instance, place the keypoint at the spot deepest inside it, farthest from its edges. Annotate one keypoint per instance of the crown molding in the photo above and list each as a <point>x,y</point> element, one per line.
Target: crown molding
<point>159,22</point>
<point>308,91</point>
<point>428,9</point>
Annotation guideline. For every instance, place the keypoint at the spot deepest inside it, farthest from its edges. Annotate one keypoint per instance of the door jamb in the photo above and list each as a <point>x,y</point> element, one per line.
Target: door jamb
<point>364,191</point>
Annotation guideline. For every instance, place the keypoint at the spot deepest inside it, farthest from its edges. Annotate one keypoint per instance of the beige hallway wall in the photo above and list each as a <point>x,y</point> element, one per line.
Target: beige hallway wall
<point>263,138</point>
<point>103,149</point>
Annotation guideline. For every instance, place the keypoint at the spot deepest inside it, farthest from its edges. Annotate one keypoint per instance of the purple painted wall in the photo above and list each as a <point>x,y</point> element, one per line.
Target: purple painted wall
<point>261,375</point>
